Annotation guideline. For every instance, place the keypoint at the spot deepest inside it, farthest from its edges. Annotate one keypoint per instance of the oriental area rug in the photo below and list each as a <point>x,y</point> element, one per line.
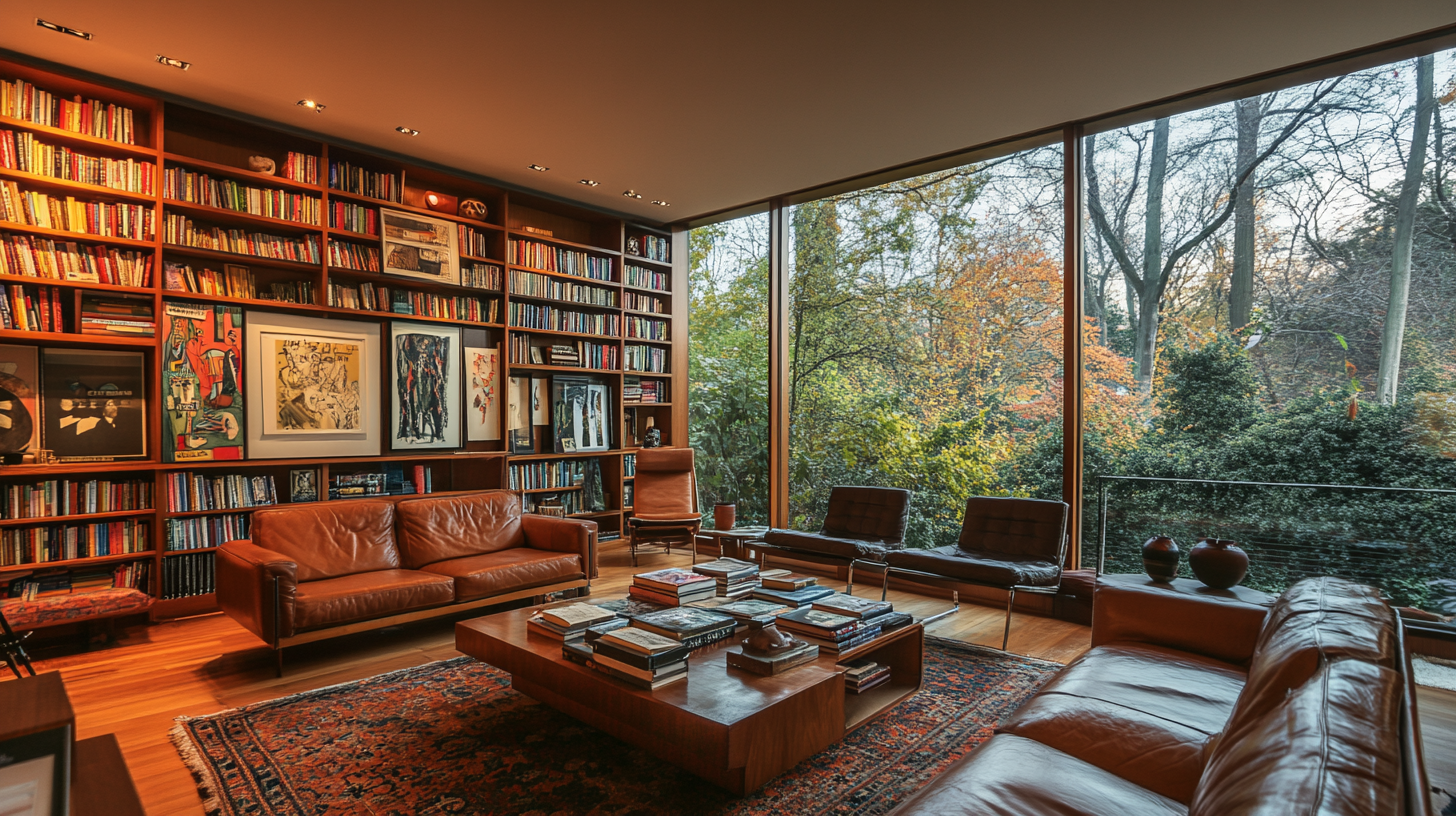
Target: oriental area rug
<point>453,738</point>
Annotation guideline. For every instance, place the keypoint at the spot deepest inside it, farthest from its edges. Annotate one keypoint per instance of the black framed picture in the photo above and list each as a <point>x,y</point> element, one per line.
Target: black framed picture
<point>94,404</point>
<point>518,415</point>
<point>303,485</point>
<point>581,414</point>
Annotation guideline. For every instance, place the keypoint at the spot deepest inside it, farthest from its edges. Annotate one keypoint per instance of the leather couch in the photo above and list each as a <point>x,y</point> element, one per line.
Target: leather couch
<point>1207,702</point>
<point>330,568</point>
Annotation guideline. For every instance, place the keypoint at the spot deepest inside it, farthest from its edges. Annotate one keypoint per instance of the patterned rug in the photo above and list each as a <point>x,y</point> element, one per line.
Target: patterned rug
<point>453,738</point>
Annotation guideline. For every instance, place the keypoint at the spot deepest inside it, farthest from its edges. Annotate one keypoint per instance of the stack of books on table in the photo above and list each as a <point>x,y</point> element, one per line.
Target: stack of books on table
<point>748,610</point>
<point>688,625</point>
<point>877,613</point>
<point>789,588</point>
<point>831,632</point>
<point>672,587</point>
<point>568,623</point>
<point>863,675</point>
<point>735,579</point>
<point>640,658</point>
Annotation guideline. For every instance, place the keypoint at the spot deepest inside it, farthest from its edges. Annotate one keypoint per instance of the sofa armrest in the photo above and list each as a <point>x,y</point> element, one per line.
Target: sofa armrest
<point>1185,615</point>
<point>563,535</point>
<point>246,575</point>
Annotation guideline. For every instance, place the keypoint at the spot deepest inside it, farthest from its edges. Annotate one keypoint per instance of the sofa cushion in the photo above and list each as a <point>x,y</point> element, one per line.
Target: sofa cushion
<point>480,576</point>
<point>1330,748</point>
<point>436,529</point>
<point>867,514</point>
<point>366,595</point>
<point>1316,621</point>
<point>1021,528</point>
<point>991,568</point>
<point>846,548</point>
<point>1013,776</point>
<point>330,539</point>
<point>1144,713</point>
<point>665,485</point>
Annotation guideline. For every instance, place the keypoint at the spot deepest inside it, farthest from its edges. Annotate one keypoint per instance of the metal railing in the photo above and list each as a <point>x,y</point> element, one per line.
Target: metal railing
<point>1400,539</point>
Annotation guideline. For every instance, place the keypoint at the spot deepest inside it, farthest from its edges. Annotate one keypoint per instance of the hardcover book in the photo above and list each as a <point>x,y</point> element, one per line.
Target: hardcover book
<point>751,609</point>
<point>727,568</point>
<point>799,655</point>
<point>577,616</point>
<point>787,581</point>
<point>795,598</point>
<point>671,580</point>
<point>640,640</point>
<point>821,622</point>
<point>849,605</point>
<point>642,674</point>
<point>639,660</point>
<point>649,685</point>
<point>630,608</point>
<point>685,622</point>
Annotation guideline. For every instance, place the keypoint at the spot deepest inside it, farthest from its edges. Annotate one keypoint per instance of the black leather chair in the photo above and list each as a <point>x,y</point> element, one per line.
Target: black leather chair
<point>862,525</point>
<point>1006,543</point>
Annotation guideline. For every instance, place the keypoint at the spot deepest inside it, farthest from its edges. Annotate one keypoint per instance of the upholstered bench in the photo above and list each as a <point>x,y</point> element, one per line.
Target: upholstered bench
<point>83,607</point>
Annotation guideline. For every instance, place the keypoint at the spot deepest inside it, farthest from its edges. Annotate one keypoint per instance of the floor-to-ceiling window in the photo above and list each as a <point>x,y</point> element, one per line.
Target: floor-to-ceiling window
<point>924,334</point>
<point>728,367</point>
<point>1269,286</point>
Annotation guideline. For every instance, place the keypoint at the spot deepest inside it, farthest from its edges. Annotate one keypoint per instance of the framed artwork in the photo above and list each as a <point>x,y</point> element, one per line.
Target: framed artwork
<point>94,404</point>
<point>35,773</point>
<point>418,246</point>
<point>425,390</point>
<point>202,390</point>
<point>313,387</point>
<point>19,399</point>
<point>518,415</point>
<point>536,357</point>
<point>482,397</point>
<point>580,414</point>
<point>303,485</point>
<point>540,401</point>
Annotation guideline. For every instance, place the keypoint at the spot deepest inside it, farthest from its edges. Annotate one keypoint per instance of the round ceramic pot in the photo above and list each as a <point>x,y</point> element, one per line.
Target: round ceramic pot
<point>1218,562</point>
<point>1160,558</point>
<point>724,516</point>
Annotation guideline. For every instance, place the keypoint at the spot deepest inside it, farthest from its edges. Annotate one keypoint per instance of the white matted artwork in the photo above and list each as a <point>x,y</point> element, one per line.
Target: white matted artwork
<point>418,246</point>
<point>425,393</point>
<point>313,387</point>
<point>482,400</point>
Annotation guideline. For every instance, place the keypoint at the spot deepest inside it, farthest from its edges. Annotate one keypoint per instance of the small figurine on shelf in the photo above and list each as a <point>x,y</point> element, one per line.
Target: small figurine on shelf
<point>651,438</point>
<point>261,164</point>
<point>634,246</point>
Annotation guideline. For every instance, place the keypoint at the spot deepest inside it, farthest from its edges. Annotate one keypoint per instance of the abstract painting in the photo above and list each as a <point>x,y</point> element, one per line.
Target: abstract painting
<point>426,387</point>
<point>518,415</point>
<point>581,415</point>
<point>482,400</point>
<point>202,389</point>
<point>19,399</point>
<point>418,246</point>
<point>94,404</point>
<point>312,389</point>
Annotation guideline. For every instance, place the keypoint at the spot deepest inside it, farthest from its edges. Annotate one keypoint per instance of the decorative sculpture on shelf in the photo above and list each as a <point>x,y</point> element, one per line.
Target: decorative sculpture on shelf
<point>261,164</point>
<point>1160,559</point>
<point>474,208</point>
<point>765,640</point>
<point>651,438</point>
<point>1218,562</point>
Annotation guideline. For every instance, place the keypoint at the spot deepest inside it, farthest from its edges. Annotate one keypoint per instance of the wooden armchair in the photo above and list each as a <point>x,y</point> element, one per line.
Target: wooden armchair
<point>665,501</point>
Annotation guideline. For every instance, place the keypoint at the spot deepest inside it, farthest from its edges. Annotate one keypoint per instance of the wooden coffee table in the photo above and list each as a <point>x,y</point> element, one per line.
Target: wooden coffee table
<point>735,729</point>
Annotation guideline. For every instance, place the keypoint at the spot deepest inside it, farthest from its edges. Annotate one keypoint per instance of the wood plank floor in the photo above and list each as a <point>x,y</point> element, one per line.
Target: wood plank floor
<point>207,664</point>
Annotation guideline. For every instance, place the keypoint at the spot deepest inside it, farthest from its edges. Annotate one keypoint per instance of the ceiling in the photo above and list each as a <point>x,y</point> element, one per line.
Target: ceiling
<point>705,105</point>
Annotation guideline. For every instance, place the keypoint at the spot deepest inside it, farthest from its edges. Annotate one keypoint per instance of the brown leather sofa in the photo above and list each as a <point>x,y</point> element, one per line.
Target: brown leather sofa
<point>1198,701</point>
<point>330,568</point>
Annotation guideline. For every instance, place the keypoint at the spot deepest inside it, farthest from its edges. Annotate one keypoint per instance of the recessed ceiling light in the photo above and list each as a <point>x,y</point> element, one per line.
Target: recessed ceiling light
<point>74,32</point>
<point>311,105</point>
<point>631,194</point>
<point>175,63</point>
<point>538,168</point>
<point>589,182</point>
<point>661,203</point>
<point>407,131</point>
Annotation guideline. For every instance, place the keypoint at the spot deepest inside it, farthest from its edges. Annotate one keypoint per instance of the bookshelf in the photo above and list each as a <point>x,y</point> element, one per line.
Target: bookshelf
<point>305,240</point>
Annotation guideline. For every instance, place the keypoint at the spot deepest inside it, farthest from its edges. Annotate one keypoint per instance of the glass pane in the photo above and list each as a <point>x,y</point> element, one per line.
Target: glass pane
<point>925,341</point>
<point>1268,291</point>
<point>728,376</point>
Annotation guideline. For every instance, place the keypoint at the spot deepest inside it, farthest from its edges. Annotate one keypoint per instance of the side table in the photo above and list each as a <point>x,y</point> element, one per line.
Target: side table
<point>730,542</point>
<point>1174,614</point>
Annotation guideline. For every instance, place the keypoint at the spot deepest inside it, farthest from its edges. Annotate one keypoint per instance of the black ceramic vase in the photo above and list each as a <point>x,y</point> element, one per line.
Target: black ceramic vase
<point>1218,562</point>
<point>1160,558</point>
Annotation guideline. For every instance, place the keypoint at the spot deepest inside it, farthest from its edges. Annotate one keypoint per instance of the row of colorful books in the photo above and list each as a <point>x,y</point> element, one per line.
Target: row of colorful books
<point>582,354</point>
<point>647,328</point>
<point>638,391</point>
<point>38,545</point>
<point>117,316</point>
<point>22,151</point>
<point>638,302</point>
<point>70,214</point>
<point>63,497</point>
<point>189,491</point>
<point>187,575</point>
<point>357,180</point>
<point>555,473</point>
<point>656,249</point>
<point>550,318</point>
<point>474,242</point>
<point>650,359</point>
<point>22,100</point>
<point>644,278</point>
<point>300,167</point>
<point>78,581</point>
<point>181,184</point>
<point>481,276</point>
<point>368,297</point>
<point>31,308</point>
<point>556,259</point>
<point>35,257</point>
<point>234,281</point>
<point>348,255</point>
<point>346,215</point>
<point>183,231</point>
<point>530,284</point>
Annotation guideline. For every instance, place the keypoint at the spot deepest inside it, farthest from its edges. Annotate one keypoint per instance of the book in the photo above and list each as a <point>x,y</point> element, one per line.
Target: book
<point>597,630</point>
<point>746,610</point>
<point>857,669</point>
<point>641,674</point>
<point>576,652</point>
<point>820,623</point>
<point>638,660</point>
<point>685,622</point>
<point>803,653</point>
<point>663,599</point>
<point>795,598</point>
<point>640,640</point>
<point>893,620</point>
<point>850,606</point>
<point>649,685</point>
<point>787,581</point>
<point>673,580</point>
<point>631,608</point>
<point>727,569</point>
<point>876,678</point>
<point>540,626</point>
<point>859,638</point>
<point>573,617</point>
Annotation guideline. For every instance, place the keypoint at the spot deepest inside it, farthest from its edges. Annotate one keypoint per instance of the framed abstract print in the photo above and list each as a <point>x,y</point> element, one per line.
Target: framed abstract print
<point>425,387</point>
<point>94,404</point>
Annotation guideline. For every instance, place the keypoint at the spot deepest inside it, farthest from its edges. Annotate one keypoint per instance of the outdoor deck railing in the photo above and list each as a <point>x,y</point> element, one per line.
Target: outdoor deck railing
<point>1400,539</point>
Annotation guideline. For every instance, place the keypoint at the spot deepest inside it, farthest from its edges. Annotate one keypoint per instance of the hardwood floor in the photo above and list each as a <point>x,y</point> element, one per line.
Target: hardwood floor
<point>202,665</point>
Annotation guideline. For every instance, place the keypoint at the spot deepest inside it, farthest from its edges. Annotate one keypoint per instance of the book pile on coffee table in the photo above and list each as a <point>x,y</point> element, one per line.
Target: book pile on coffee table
<point>568,623</point>
<point>735,579</point>
<point>864,674</point>
<point>650,650</point>
<point>789,588</point>
<point>839,622</point>
<point>672,587</point>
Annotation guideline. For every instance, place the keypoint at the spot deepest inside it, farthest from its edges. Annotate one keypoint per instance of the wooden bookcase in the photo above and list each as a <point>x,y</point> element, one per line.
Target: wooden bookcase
<point>177,139</point>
